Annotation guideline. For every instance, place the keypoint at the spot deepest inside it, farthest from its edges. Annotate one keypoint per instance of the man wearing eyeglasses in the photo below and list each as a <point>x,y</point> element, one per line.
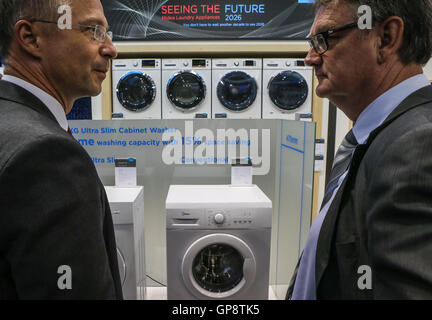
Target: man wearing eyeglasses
<point>372,237</point>
<point>56,231</point>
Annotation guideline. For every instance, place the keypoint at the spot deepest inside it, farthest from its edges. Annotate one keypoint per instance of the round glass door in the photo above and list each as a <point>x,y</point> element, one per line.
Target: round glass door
<point>218,268</point>
<point>186,90</point>
<point>288,90</point>
<point>136,91</point>
<point>237,90</point>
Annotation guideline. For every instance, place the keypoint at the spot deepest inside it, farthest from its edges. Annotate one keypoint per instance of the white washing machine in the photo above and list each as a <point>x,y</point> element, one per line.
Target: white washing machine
<point>127,209</point>
<point>136,88</point>
<point>237,88</point>
<point>186,88</point>
<point>287,89</point>
<point>218,242</point>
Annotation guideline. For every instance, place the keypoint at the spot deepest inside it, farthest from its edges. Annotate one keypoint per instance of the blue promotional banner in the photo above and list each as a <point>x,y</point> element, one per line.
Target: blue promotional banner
<point>210,20</point>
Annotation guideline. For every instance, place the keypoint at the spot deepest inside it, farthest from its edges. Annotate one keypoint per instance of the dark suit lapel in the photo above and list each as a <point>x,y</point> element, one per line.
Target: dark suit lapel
<point>421,96</point>
<point>325,238</point>
<point>14,93</point>
<point>327,233</point>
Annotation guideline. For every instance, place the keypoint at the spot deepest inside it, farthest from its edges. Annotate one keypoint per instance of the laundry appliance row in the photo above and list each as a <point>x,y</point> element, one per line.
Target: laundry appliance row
<point>248,88</point>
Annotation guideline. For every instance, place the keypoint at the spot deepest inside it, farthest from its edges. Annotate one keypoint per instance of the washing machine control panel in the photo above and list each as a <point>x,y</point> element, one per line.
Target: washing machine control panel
<point>219,218</point>
<point>135,65</point>
<point>235,218</point>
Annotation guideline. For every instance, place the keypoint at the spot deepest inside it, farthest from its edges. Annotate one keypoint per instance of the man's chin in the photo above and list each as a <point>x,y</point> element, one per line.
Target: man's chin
<point>322,92</point>
<point>95,90</point>
<point>95,93</point>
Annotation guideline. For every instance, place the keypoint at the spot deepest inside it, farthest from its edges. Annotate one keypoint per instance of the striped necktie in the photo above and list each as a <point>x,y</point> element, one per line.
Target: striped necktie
<point>340,164</point>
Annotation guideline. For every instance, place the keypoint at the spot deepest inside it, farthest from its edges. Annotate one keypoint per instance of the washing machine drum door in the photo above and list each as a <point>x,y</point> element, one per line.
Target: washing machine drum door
<point>186,89</point>
<point>136,91</point>
<point>237,90</point>
<point>218,266</point>
<point>288,90</point>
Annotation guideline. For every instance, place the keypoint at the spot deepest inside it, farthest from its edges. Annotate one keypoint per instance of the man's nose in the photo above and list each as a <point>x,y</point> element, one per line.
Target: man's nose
<point>312,58</point>
<point>108,49</point>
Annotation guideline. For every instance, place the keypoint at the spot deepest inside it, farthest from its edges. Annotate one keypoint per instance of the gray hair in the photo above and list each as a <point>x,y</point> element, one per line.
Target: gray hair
<point>417,16</point>
<point>13,10</point>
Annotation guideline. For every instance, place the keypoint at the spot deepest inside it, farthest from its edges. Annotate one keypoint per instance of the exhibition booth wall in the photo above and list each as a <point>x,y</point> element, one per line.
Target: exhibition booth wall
<point>199,152</point>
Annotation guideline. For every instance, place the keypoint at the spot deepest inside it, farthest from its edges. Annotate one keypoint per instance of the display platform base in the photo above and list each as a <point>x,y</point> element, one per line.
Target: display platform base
<point>160,293</point>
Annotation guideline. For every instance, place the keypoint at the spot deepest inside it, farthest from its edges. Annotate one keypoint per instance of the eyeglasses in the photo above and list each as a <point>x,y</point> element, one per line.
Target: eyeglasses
<point>319,41</point>
<point>100,32</point>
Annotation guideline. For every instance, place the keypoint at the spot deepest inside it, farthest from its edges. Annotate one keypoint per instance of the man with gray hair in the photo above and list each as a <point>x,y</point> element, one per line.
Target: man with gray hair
<point>373,236</point>
<point>56,232</point>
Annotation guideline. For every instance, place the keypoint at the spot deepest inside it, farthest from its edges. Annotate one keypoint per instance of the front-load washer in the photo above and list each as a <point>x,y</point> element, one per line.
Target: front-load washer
<point>236,88</point>
<point>136,88</point>
<point>127,209</point>
<point>218,242</point>
<point>287,89</point>
<point>186,88</point>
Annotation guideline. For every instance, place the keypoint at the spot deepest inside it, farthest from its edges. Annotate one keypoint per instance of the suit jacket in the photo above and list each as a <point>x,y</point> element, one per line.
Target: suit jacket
<point>376,239</point>
<point>53,209</point>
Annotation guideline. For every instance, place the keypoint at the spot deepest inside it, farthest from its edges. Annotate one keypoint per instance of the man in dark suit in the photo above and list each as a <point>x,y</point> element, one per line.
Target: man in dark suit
<point>56,231</point>
<point>373,236</point>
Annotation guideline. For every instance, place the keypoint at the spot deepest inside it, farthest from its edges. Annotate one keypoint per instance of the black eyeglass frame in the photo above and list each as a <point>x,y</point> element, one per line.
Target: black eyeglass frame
<point>106,33</point>
<point>314,42</point>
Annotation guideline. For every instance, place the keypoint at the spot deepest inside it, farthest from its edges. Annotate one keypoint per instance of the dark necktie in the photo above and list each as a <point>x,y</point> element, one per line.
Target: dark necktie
<point>340,164</point>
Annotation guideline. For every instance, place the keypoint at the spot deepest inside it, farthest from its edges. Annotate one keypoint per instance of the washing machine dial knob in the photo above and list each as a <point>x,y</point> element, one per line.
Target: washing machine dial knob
<point>185,64</point>
<point>236,63</point>
<point>288,63</point>
<point>135,64</point>
<point>219,218</point>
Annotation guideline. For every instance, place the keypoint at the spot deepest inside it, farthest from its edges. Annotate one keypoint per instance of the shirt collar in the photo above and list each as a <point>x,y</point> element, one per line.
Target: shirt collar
<point>50,102</point>
<point>375,113</point>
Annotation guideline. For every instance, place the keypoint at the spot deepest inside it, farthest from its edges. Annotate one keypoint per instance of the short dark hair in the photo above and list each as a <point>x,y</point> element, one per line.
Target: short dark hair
<point>417,16</point>
<point>13,10</point>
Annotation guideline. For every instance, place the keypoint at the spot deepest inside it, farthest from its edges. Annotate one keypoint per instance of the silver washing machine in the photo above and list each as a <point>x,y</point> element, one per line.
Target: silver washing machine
<point>287,89</point>
<point>127,209</point>
<point>186,88</point>
<point>218,242</point>
<point>136,89</point>
<point>236,88</point>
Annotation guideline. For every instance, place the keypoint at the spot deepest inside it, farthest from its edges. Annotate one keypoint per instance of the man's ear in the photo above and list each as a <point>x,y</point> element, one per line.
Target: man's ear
<point>27,38</point>
<point>390,33</point>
